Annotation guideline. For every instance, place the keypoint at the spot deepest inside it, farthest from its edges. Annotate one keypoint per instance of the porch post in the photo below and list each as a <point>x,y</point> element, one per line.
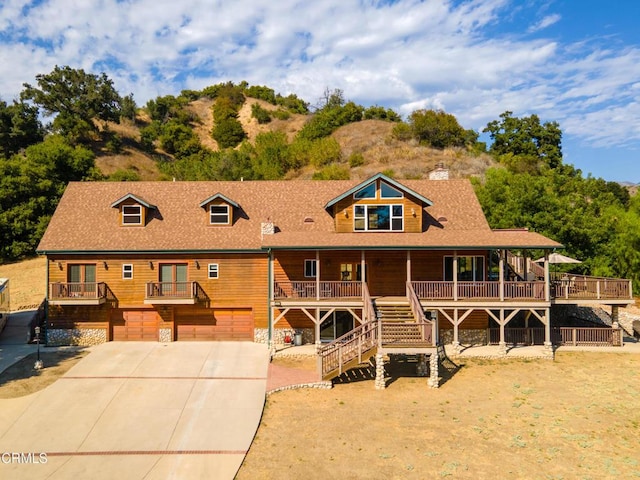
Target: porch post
<point>408,265</point>
<point>270,306</point>
<point>455,275</point>
<point>317,274</point>
<point>547,278</point>
<point>614,316</point>
<point>363,274</point>
<point>501,275</point>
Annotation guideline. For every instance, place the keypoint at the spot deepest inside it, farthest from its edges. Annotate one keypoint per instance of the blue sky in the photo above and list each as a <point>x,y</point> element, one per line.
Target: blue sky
<point>576,62</point>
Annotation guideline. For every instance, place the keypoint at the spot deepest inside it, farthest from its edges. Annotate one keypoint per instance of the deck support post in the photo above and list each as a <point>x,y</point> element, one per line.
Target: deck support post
<point>502,345</point>
<point>456,339</point>
<point>615,309</point>
<point>434,375</point>
<point>422,367</point>
<point>548,345</point>
<point>380,383</point>
<point>316,327</point>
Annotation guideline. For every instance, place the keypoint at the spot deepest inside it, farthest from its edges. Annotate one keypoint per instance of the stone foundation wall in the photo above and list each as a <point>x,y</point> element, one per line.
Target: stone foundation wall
<point>164,335</point>
<point>75,336</point>
<point>261,335</point>
<point>465,336</point>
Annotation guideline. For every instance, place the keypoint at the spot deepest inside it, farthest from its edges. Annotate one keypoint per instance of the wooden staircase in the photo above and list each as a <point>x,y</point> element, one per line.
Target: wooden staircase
<point>399,312</point>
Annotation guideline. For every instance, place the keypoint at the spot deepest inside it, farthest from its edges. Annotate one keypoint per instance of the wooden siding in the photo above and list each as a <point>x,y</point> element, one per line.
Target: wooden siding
<point>478,319</point>
<point>294,319</point>
<point>242,281</point>
<point>413,211</point>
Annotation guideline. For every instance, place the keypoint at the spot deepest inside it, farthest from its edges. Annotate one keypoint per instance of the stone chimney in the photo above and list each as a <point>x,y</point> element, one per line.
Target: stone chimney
<point>267,228</point>
<point>439,173</point>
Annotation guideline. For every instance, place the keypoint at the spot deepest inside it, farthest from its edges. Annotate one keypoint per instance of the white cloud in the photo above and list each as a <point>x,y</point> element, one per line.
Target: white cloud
<point>406,54</point>
<point>545,22</point>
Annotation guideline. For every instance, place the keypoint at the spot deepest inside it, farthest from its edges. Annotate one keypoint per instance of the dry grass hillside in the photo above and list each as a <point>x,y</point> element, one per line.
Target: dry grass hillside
<point>370,138</point>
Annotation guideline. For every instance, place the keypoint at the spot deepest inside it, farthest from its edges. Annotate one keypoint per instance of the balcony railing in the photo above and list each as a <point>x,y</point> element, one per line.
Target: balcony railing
<point>591,288</point>
<point>479,290</point>
<point>77,291</point>
<point>309,290</point>
<point>172,291</point>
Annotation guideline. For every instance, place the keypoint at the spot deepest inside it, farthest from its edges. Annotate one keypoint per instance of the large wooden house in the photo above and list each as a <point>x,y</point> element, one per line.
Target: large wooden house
<point>260,260</point>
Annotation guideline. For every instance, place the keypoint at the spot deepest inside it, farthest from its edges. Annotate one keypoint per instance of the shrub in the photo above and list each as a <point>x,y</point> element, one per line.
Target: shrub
<point>356,160</point>
<point>402,131</point>
<point>260,114</point>
<point>228,133</point>
<point>332,172</point>
<point>281,114</point>
<point>124,175</point>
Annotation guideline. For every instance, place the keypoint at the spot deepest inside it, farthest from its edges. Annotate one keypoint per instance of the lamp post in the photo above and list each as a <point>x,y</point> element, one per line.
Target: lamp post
<point>38,364</point>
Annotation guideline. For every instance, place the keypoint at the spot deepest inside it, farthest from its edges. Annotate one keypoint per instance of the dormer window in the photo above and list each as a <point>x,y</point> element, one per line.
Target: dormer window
<point>133,210</point>
<point>219,214</point>
<point>132,215</point>
<point>220,208</point>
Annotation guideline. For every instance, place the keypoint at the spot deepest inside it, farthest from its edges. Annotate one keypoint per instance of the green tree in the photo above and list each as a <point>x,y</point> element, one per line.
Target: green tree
<point>19,127</point>
<point>31,184</point>
<point>524,144</point>
<point>76,98</point>
<point>439,129</point>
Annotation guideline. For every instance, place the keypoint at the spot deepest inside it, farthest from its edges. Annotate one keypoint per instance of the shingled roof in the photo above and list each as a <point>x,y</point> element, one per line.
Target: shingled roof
<point>86,222</point>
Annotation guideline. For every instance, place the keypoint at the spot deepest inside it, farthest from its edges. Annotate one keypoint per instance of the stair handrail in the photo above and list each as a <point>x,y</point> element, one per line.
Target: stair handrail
<point>368,309</point>
<point>418,312</point>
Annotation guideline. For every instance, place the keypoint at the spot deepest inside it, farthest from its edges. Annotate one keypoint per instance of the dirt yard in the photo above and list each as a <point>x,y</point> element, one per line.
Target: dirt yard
<point>22,379</point>
<point>27,282</point>
<point>575,417</point>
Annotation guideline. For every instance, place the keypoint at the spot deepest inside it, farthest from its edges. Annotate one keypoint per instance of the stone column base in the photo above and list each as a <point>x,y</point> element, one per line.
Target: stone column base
<point>380,383</point>
<point>502,348</point>
<point>434,377</point>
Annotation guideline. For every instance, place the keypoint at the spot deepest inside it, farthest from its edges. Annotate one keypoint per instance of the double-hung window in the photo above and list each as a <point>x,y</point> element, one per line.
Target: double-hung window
<point>310,268</point>
<point>213,270</point>
<point>219,214</point>
<point>132,215</point>
<point>127,271</point>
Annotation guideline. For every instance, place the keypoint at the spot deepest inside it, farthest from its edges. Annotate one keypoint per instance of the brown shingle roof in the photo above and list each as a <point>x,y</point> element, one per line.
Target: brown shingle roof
<point>85,220</point>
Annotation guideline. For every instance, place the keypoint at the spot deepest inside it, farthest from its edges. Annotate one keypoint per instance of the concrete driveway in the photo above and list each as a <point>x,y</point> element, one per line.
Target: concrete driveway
<point>140,410</point>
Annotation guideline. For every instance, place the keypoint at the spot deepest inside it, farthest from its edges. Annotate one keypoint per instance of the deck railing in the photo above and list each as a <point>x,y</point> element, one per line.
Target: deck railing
<point>567,336</point>
<point>596,288</point>
<point>309,289</point>
<point>478,290</point>
<point>79,290</point>
<point>418,313</point>
<point>172,290</point>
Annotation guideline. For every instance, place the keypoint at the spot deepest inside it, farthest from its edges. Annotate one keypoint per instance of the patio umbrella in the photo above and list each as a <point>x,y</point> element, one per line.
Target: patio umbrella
<point>558,258</point>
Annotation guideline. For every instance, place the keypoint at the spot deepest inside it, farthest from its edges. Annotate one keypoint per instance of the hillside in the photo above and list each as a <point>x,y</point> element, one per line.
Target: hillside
<point>370,138</point>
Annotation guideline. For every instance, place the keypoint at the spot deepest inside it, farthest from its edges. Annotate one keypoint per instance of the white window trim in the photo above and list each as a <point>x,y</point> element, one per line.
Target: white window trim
<point>126,271</point>
<point>366,216</point>
<point>213,271</point>
<point>211,214</point>
<point>130,215</point>
<point>314,268</point>
<point>392,188</point>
